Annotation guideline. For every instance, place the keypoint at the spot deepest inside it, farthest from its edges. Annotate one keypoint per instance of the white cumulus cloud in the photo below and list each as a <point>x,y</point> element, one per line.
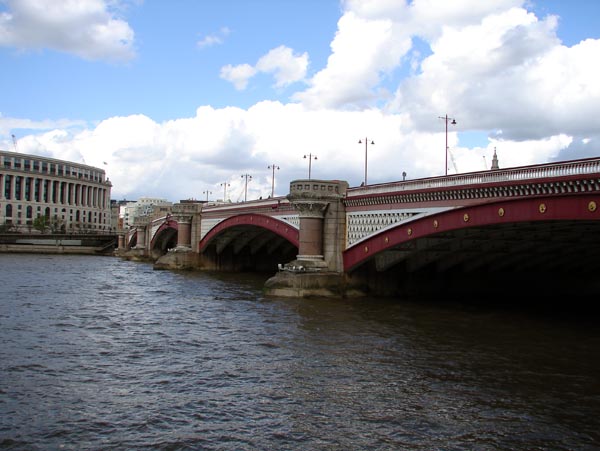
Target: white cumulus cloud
<point>281,61</point>
<point>86,28</point>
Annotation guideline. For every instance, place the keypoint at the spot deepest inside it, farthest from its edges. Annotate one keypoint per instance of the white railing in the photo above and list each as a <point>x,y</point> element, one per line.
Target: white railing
<point>550,170</point>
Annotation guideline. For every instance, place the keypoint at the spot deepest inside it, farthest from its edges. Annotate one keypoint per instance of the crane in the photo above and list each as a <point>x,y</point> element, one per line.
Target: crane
<point>453,161</point>
<point>14,138</point>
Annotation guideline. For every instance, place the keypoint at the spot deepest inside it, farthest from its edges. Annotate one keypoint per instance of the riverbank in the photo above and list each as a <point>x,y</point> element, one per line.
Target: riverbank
<point>58,244</point>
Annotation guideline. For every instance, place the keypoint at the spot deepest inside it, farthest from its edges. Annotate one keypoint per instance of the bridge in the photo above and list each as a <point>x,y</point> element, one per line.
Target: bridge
<point>531,230</point>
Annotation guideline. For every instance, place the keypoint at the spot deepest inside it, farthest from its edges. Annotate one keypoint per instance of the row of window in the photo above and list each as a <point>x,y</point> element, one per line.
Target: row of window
<point>79,216</point>
<point>58,169</point>
<point>44,190</point>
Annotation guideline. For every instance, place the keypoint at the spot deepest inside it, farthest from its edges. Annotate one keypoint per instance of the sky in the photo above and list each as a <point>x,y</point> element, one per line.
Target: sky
<point>206,99</point>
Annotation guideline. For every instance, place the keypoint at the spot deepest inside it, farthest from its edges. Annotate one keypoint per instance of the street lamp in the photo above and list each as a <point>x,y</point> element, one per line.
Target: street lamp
<point>446,119</point>
<point>225,185</point>
<point>207,193</point>
<point>246,176</point>
<point>310,157</point>
<point>273,167</point>
<point>366,143</point>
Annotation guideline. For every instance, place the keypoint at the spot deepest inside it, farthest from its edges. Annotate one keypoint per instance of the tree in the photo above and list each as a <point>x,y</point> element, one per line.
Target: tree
<point>56,225</point>
<point>41,223</point>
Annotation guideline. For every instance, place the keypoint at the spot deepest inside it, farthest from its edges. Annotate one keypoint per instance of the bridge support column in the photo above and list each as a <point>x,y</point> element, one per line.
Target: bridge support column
<point>141,237</point>
<point>310,246</point>
<point>318,269</point>
<point>184,232</point>
<point>121,241</point>
<point>322,220</point>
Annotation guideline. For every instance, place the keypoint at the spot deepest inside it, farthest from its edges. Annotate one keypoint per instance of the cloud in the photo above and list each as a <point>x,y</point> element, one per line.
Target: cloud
<point>214,39</point>
<point>362,50</point>
<point>238,75</point>
<point>85,28</point>
<point>287,67</point>
<point>9,125</point>
<point>374,38</point>
<point>508,72</point>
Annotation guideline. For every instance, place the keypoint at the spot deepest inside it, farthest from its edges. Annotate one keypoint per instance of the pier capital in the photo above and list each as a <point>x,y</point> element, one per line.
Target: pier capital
<point>310,208</point>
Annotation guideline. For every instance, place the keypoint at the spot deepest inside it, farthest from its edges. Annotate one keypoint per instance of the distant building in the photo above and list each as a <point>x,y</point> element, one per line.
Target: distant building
<point>73,197</point>
<point>144,206</point>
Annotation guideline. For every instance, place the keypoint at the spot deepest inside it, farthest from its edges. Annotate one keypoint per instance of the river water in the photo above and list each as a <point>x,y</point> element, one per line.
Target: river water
<point>99,353</point>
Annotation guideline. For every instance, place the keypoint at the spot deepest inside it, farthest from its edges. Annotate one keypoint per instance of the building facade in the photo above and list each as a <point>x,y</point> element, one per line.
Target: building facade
<point>144,206</point>
<point>74,198</point>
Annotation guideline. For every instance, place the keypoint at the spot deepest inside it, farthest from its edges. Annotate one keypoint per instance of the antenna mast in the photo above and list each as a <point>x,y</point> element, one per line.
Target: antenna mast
<point>14,138</point>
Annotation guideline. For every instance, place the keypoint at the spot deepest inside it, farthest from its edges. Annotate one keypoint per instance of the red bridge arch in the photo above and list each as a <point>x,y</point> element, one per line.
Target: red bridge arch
<point>281,228</point>
<point>580,208</point>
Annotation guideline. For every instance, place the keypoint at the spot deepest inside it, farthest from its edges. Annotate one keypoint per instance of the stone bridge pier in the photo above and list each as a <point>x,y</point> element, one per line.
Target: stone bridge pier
<point>318,268</point>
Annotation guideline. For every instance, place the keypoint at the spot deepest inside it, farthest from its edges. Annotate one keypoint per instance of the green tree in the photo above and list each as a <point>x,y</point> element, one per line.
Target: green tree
<point>41,223</point>
<point>56,224</point>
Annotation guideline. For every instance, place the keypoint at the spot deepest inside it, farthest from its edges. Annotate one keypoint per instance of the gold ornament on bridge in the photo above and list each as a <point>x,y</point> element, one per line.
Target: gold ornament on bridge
<point>366,249</point>
<point>387,239</point>
<point>500,211</point>
<point>466,217</point>
<point>542,208</point>
<point>409,231</point>
<point>592,206</point>
<point>436,223</point>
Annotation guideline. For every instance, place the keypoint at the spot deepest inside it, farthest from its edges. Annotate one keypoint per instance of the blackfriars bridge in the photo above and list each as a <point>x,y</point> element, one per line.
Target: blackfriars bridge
<point>524,231</point>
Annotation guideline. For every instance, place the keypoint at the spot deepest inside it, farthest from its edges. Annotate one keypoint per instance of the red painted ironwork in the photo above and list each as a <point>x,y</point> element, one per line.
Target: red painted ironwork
<point>275,225</point>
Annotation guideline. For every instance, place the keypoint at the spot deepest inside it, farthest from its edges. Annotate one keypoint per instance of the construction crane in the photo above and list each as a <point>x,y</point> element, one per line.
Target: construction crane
<point>14,138</point>
<point>453,161</point>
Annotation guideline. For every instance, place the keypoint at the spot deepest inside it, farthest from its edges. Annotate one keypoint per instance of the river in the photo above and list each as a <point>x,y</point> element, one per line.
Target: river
<point>99,353</point>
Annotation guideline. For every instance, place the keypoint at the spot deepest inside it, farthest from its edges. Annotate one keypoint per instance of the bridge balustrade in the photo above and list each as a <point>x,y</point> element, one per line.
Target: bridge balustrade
<point>542,171</point>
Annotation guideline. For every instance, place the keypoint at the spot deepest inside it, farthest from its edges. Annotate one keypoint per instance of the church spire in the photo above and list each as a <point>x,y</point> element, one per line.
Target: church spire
<point>495,161</point>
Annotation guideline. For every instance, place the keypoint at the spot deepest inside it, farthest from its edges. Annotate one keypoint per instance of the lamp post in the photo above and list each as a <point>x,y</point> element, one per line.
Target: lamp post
<point>246,176</point>
<point>207,193</point>
<point>273,167</point>
<point>366,144</point>
<point>446,119</point>
<point>225,185</point>
<point>310,157</point>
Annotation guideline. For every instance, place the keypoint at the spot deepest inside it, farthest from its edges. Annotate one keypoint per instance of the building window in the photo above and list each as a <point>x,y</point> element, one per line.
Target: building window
<point>18,181</point>
<point>7,183</point>
<point>8,211</point>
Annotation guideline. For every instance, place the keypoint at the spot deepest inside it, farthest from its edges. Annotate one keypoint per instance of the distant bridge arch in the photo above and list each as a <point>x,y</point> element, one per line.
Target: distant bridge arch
<point>165,236</point>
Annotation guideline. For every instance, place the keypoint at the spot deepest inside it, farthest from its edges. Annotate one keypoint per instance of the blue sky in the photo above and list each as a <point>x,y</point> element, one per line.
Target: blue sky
<point>180,96</point>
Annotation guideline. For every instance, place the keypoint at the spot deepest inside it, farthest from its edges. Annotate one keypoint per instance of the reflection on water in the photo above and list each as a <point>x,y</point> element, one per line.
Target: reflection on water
<point>100,353</point>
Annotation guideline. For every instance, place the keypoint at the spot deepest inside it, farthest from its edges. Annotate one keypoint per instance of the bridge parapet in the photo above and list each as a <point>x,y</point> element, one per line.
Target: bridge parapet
<point>512,176</point>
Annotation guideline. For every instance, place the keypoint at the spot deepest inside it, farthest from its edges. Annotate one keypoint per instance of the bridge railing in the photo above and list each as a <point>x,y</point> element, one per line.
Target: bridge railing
<point>548,170</point>
<point>250,204</point>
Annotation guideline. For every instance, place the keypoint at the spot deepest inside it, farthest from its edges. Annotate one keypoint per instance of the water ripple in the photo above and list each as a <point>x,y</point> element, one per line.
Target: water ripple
<point>103,354</point>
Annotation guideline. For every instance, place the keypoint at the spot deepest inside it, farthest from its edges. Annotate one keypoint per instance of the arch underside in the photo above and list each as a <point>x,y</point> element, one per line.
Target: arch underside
<point>164,239</point>
<point>528,246</point>
<point>249,242</point>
